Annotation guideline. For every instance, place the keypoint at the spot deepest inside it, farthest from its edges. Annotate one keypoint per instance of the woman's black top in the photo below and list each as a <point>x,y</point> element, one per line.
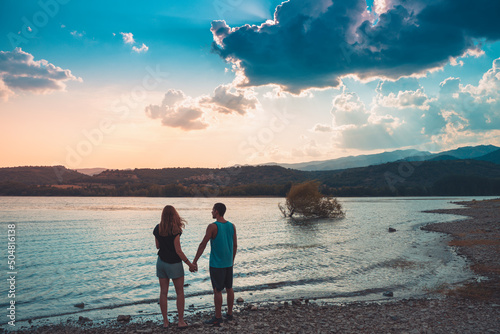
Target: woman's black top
<point>167,251</point>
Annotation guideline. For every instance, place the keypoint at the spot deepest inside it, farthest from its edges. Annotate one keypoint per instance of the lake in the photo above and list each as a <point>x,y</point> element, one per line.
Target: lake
<point>100,251</point>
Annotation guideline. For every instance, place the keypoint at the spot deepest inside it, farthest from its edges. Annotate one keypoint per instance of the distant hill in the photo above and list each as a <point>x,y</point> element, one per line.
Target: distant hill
<point>443,157</point>
<point>359,161</point>
<point>90,171</point>
<point>405,174</point>
<point>468,152</point>
<point>41,175</point>
<point>491,157</point>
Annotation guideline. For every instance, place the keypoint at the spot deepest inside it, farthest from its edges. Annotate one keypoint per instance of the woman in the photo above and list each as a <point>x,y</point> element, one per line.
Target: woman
<point>169,264</point>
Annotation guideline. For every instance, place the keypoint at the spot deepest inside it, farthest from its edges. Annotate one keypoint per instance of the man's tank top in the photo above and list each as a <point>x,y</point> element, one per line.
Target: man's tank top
<point>221,252</point>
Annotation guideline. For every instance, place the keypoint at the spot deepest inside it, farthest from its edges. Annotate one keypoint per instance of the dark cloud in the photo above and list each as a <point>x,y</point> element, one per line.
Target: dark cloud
<point>478,18</point>
<point>19,71</point>
<point>314,43</point>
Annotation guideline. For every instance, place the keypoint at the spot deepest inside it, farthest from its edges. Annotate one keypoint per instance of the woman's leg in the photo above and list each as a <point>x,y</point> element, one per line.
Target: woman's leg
<point>164,282</point>
<point>179,290</point>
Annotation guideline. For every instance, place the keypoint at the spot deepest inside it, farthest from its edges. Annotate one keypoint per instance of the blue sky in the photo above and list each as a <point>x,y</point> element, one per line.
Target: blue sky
<point>215,83</point>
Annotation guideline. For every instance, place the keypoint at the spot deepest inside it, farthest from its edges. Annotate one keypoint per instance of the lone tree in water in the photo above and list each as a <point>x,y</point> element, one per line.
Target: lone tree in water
<point>306,200</point>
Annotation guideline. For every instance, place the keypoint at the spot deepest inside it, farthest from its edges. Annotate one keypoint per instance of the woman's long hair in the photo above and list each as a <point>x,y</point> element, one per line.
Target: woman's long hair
<point>171,223</point>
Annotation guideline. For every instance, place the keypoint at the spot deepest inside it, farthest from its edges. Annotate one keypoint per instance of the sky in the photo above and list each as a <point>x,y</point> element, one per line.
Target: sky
<point>154,84</point>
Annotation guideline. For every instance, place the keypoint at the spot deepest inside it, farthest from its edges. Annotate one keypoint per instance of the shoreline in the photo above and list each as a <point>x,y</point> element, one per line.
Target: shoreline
<point>472,307</point>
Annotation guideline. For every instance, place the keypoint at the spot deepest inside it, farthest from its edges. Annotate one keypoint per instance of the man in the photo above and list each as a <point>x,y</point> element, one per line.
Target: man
<point>223,246</point>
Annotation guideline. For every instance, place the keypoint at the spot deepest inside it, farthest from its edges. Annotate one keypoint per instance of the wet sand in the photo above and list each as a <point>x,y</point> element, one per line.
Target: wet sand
<point>473,307</point>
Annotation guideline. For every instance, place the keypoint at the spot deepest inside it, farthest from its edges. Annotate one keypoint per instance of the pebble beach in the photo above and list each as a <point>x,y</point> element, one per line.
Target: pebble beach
<point>472,307</point>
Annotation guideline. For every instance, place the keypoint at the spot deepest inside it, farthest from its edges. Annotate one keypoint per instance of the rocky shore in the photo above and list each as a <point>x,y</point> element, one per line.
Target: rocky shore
<point>471,308</point>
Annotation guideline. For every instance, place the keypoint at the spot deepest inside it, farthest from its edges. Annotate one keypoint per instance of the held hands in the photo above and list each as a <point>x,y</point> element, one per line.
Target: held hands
<point>193,267</point>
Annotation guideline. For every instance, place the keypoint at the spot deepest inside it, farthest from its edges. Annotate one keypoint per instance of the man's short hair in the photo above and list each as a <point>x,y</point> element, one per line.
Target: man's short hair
<point>221,208</point>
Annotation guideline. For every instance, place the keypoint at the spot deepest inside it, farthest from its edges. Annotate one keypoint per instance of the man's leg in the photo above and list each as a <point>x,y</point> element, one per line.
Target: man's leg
<point>218,303</point>
<point>230,300</point>
<point>218,285</point>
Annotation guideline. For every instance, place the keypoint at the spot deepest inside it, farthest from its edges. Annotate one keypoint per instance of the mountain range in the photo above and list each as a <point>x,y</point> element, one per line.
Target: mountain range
<point>482,152</point>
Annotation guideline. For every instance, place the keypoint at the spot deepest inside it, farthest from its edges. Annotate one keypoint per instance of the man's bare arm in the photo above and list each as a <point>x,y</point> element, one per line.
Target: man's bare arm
<point>235,243</point>
<point>203,244</point>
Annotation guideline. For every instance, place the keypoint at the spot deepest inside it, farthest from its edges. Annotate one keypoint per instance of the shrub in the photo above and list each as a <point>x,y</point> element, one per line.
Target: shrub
<point>306,200</point>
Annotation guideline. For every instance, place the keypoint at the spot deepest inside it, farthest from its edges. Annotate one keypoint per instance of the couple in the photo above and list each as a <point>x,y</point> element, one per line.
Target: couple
<point>223,244</point>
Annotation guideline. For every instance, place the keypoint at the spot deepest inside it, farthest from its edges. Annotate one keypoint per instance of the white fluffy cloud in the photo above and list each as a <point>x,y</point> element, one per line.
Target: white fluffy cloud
<point>128,38</point>
<point>349,110</point>
<point>228,100</point>
<point>402,114</point>
<point>19,71</point>
<point>143,48</point>
<point>178,111</point>
<point>187,113</point>
<point>405,99</point>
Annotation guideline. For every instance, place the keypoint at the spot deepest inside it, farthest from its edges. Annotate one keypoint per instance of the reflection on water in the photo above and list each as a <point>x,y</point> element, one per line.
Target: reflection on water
<point>100,251</point>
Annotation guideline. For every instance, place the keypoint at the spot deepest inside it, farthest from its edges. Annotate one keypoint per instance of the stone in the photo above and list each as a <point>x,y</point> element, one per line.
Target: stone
<point>84,319</point>
<point>388,294</point>
<point>391,230</point>
<point>296,302</point>
<point>239,300</point>
<point>80,305</point>
<point>123,318</point>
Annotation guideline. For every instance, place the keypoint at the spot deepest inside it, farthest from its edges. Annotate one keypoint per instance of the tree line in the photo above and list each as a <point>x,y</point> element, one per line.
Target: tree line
<point>454,185</point>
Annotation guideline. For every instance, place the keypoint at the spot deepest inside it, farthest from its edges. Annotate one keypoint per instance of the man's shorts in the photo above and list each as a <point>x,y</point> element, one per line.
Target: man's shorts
<point>169,270</point>
<point>221,278</point>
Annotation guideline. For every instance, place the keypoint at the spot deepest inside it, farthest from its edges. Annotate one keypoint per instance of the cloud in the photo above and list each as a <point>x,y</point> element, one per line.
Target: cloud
<point>349,110</point>
<point>187,113</point>
<point>227,102</point>
<point>19,71</point>
<point>77,34</point>
<point>402,114</point>
<point>322,128</point>
<point>314,43</point>
<point>405,99</point>
<point>143,48</point>
<point>478,105</point>
<point>177,111</point>
<point>5,92</point>
<point>185,117</point>
<point>128,37</point>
